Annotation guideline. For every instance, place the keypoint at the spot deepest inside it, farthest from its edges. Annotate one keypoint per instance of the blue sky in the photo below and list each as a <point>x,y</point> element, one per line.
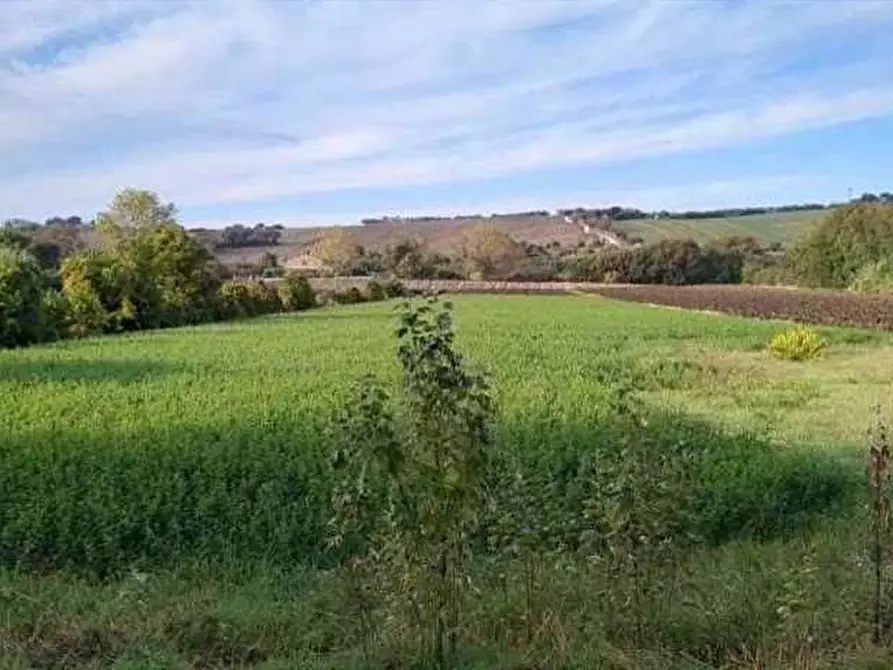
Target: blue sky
<point>325,112</point>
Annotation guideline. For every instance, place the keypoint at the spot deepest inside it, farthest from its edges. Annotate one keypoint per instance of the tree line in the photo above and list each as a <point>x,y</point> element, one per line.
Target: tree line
<point>849,248</point>
<point>142,270</point>
<point>486,252</point>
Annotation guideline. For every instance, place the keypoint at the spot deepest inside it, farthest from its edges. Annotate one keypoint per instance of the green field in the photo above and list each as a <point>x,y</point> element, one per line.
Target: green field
<point>164,494</point>
<point>768,228</point>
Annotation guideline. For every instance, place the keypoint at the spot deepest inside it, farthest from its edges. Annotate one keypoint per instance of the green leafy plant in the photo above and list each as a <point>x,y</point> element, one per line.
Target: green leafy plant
<point>411,492</point>
<point>296,293</point>
<point>797,344</point>
<point>876,277</point>
<point>639,510</point>
<point>375,291</point>
<point>23,289</point>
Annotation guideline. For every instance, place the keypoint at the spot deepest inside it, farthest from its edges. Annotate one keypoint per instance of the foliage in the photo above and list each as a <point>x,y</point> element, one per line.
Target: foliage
<point>665,262</point>
<point>349,296</point>
<point>337,249</point>
<point>797,344</point>
<point>12,238</point>
<point>875,277</point>
<point>408,258</point>
<point>133,209</point>
<point>643,506</point>
<point>832,253</point>
<point>238,299</point>
<point>375,291</point>
<point>149,273</point>
<point>429,474</point>
<point>88,278</point>
<point>239,235</point>
<point>52,243</point>
<point>23,314</point>
<point>489,253</point>
<point>394,289</point>
<point>295,293</point>
<point>768,270</point>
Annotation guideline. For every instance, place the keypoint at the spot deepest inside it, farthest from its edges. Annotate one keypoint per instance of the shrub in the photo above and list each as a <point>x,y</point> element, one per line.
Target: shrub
<point>665,262</point>
<point>394,289</point>
<point>874,278</point>
<point>351,296</point>
<point>22,289</point>
<point>833,253</point>
<point>263,298</point>
<point>54,311</point>
<point>410,494</point>
<point>797,344</point>
<point>296,293</point>
<point>149,273</point>
<point>232,300</point>
<point>375,291</point>
<point>768,270</point>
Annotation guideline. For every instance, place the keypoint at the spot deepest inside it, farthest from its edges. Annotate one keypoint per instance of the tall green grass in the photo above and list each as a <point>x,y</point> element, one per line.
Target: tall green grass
<point>188,470</point>
<point>148,450</point>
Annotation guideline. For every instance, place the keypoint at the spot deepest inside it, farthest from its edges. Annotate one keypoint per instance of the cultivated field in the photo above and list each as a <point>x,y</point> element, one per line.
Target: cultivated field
<point>164,495</point>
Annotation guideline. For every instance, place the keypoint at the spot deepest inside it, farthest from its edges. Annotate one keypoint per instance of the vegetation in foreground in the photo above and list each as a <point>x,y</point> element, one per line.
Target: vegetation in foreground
<point>168,496</point>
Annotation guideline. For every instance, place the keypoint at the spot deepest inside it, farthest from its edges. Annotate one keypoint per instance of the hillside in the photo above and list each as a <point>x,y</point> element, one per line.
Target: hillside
<point>445,235</point>
<point>768,228</point>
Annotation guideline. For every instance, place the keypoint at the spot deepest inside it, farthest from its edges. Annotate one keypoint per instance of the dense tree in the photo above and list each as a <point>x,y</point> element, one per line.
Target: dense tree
<point>132,209</point>
<point>52,243</point>
<point>408,258</point>
<point>665,262</point>
<point>489,253</point>
<point>149,272</point>
<point>21,224</point>
<point>64,222</point>
<point>239,235</point>
<point>851,237</point>
<point>338,250</point>
<point>23,319</point>
<point>295,293</point>
<point>14,238</point>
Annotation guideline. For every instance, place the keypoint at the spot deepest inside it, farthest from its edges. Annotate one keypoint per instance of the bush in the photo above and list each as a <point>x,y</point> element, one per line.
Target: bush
<point>797,344</point>
<point>375,291</point>
<point>22,290</point>
<point>666,262</point>
<point>833,253</point>
<point>238,299</point>
<point>54,310</point>
<point>351,296</point>
<point>394,289</point>
<point>263,298</point>
<point>768,270</point>
<point>296,293</point>
<point>874,278</point>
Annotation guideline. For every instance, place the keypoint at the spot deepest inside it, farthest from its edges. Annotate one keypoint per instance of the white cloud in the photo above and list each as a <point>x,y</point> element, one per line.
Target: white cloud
<point>243,101</point>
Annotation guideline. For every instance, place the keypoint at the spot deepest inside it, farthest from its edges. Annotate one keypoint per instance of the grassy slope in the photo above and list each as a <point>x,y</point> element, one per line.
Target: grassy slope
<point>264,385</point>
<point>784,228</point>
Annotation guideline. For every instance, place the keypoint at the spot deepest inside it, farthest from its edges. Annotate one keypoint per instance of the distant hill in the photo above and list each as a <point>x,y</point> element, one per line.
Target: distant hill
<point>767,228</point>
<point>441,235</point>
<point>445,234</point>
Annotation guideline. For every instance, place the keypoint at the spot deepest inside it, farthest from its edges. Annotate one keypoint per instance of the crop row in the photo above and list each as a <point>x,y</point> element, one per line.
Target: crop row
<point>830,308</point>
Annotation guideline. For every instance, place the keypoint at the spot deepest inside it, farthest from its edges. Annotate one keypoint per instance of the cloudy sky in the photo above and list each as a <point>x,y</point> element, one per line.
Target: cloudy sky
<point>327,111</point>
